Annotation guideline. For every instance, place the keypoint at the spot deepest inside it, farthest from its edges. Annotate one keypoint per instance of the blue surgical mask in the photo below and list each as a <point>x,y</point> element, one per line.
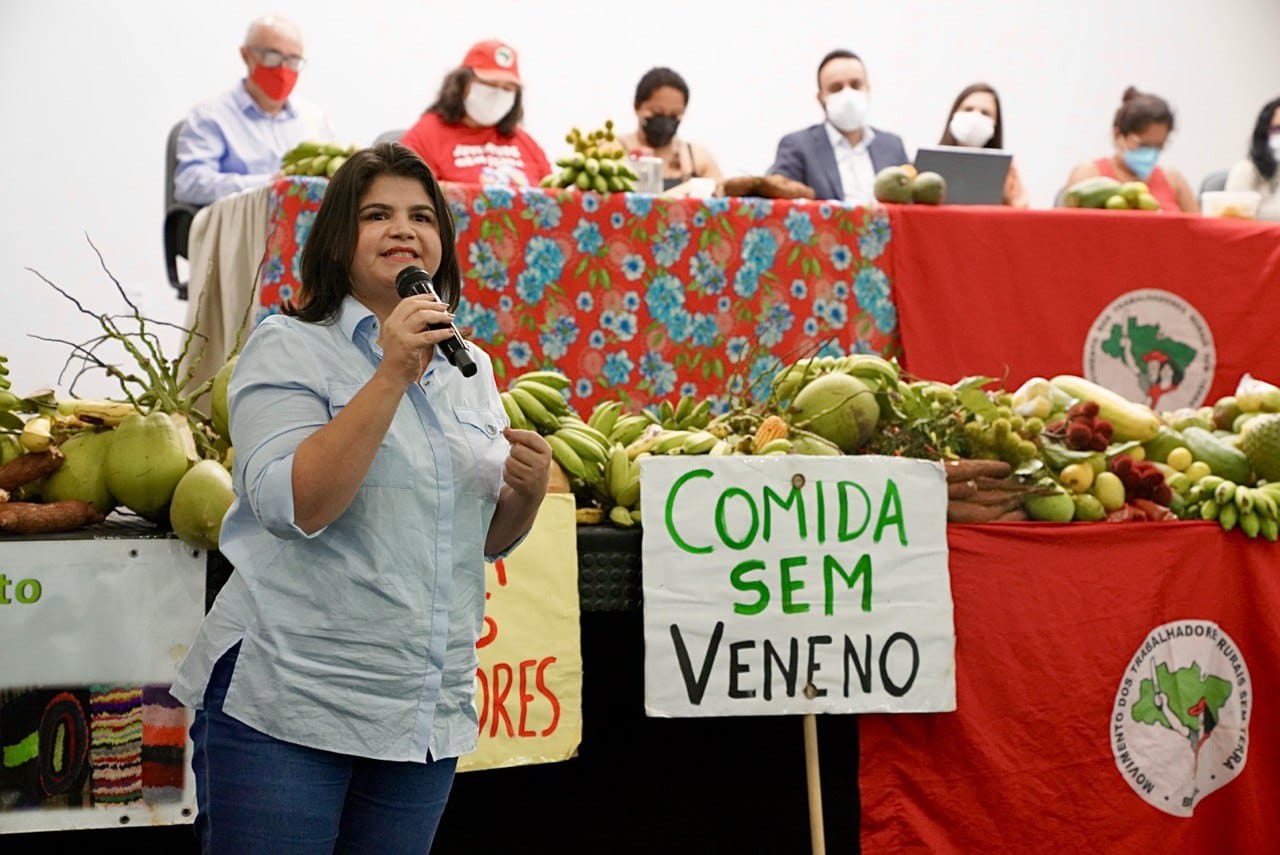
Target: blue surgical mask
<point>1142,160</point>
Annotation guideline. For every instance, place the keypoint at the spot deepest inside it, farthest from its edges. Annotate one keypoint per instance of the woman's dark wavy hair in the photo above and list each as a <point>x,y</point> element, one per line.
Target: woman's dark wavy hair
<point>1140,109</point>
<point>449,102</point>
<point>654,79</point>
<point>331,243</point>
<point>997,139</point>
<point>1259,143</point>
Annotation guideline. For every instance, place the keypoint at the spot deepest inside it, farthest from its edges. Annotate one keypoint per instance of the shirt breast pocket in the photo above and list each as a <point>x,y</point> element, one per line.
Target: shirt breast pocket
<point>482,428</point>
<point>394,464</point>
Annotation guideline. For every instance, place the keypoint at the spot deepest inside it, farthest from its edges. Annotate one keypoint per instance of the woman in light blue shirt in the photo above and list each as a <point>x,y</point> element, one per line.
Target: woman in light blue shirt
<point>333,677</point>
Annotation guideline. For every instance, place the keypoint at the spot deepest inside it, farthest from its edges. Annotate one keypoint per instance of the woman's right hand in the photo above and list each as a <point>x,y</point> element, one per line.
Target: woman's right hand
<point>408,343</point>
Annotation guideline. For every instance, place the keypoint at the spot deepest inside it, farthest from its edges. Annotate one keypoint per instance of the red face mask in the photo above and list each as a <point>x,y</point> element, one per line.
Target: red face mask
<point>276,83</point>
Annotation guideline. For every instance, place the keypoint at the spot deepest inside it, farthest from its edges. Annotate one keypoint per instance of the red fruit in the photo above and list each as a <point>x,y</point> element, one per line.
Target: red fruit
<point>1098,443</point>
<point>1163,495</point>
<point>1079,436</point>
<point>1091,409</point>
<point>1122,465</point>
<point>1104,428</point>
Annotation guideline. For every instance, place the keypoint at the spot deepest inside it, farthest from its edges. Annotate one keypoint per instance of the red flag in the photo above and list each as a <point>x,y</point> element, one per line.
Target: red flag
<point>1115,687</point>
<point>1062,292</point>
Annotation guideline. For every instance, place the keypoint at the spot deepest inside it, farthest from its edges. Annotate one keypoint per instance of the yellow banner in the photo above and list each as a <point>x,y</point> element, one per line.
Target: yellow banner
<point>529,686</point>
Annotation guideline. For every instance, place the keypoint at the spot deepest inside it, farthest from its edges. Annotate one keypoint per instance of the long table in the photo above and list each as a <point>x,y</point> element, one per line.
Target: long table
<point>642,298</point>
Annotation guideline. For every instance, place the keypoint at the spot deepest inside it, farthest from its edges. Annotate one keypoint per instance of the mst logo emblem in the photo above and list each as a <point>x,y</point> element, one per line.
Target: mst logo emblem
<point>1153,347</point>
<point>1180,721</point>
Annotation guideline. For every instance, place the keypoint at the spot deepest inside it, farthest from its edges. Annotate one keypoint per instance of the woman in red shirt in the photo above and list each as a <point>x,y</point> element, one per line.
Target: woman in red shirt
<point>472,133</point>
<point>1141,129</point>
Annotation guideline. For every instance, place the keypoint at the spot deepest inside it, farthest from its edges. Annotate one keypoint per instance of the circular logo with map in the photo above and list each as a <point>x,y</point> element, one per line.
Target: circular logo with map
<point>1152,347</point>
<point>1180,721</point>
<point>504,57</point>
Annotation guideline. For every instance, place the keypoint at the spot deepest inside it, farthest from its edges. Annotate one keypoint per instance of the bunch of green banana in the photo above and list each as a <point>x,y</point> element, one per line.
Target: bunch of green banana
<point>622,486</point>
<point>880,374</point>
<point>687,414</point>
<point>598,163</point>
<point>535,401</point>
<point>1254,510</point>
<point>315,158</point>
<point>581,450</point>
<point>655,439</point>
<point>621,428</point>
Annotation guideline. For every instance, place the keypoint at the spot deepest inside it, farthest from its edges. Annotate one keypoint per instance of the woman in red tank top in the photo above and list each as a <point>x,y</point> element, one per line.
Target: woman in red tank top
<point>1141,128</point>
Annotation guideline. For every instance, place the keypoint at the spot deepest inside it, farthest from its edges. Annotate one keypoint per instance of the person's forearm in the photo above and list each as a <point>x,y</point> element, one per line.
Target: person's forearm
<point>329,465</point>
<point>202,185</point>
<point>511,521</point>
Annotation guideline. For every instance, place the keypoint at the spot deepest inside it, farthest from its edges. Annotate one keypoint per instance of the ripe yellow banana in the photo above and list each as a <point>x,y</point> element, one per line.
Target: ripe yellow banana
<point>109,413</point>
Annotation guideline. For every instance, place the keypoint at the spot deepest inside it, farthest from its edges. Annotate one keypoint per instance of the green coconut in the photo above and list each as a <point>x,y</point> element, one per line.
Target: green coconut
<point>837,407</point>
<point>200,501</point>
<point>83,474</point>
<point>218,398</point>
<point>144,463</point>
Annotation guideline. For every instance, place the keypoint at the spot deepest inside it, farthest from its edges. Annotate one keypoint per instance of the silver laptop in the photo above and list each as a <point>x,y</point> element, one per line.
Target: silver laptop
<point>974,176</point>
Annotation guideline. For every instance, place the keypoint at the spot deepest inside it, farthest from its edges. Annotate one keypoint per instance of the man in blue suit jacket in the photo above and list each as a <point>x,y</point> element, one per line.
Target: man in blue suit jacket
<point>840,157</point>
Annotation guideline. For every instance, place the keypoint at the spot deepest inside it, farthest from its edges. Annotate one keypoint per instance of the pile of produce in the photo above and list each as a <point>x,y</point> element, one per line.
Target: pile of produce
<point>69,462</point>
<point>1103,192</point>
<point>1059,449</point>
<point>598,163</point>
<point>315,158</point>
<point>903,184</point>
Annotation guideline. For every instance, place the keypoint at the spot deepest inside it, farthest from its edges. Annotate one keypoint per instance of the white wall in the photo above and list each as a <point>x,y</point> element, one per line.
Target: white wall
<point>88,91</point>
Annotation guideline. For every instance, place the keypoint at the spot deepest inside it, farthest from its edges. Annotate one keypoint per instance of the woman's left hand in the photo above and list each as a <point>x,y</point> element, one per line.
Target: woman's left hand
<point>528,465</point>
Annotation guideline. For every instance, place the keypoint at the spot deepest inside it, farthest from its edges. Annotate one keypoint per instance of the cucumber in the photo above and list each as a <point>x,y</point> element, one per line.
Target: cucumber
<point>1223,460</point>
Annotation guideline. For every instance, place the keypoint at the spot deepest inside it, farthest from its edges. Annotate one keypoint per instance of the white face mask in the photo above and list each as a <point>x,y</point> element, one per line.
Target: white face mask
<point>486,105</point>
<point>847,109</point>
<point>972,128</point>
<point>1274,143</point>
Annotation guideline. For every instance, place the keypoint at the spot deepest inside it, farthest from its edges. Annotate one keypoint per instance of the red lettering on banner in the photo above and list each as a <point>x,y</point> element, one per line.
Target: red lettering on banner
<point>492,695</point>
<point>549,695</point>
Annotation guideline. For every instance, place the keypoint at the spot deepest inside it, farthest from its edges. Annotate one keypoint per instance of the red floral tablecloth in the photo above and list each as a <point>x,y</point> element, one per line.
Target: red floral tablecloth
<point>642,298</point>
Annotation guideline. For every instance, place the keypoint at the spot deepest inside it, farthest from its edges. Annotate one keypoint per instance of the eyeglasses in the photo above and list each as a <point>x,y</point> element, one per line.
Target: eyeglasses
<point>274,59</point>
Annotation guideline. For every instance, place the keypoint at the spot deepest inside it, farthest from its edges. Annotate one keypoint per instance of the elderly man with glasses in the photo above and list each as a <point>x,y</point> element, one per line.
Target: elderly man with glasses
<point>235,141</point>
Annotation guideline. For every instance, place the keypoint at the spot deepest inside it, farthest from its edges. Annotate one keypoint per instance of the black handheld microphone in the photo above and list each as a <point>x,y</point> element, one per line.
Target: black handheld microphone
<point>415,280</point>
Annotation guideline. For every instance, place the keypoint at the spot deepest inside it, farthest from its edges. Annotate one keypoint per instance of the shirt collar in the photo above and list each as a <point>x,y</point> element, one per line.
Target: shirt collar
<point>836,137</point>
<point>246,104</point>
<point>353,316</point>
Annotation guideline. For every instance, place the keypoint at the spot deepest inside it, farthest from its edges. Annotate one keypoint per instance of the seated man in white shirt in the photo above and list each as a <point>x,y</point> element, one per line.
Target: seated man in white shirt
<point>235,141</point>
<point>840,157</point>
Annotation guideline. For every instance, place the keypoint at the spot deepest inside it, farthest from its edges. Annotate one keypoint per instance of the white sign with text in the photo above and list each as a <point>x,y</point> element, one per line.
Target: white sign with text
<point>789,584</point>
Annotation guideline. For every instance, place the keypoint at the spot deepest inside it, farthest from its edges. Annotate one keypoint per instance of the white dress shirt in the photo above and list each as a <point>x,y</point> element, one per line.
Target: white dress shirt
<point>857,175</point>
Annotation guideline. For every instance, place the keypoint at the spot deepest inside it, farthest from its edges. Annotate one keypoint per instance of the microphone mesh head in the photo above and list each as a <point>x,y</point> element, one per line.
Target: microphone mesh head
<point>413,280</point>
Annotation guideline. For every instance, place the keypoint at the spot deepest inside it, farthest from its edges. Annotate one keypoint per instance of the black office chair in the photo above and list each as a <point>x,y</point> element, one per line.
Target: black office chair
<point>1216,180</point>
<point>388,136</point>
<point>177,216</point>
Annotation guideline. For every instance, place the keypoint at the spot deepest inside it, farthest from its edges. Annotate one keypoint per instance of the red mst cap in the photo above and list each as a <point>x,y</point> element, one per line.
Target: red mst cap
<point>493,61</point>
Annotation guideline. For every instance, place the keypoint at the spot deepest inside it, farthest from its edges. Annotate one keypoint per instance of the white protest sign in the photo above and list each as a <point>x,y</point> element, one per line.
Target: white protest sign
<point>790,584</point>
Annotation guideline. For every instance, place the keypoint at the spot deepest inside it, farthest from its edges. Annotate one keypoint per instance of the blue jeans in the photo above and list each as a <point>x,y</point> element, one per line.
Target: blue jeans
<point>258,794</point>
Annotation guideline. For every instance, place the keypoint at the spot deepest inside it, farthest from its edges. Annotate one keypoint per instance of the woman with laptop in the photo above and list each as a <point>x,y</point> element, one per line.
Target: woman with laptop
<point>1140,130</point>
<point>975,121</point>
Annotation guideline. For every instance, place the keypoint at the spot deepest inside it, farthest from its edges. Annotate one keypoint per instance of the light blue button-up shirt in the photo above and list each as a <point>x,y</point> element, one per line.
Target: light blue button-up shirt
<point>359,638</point>
<point>229,144</point>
